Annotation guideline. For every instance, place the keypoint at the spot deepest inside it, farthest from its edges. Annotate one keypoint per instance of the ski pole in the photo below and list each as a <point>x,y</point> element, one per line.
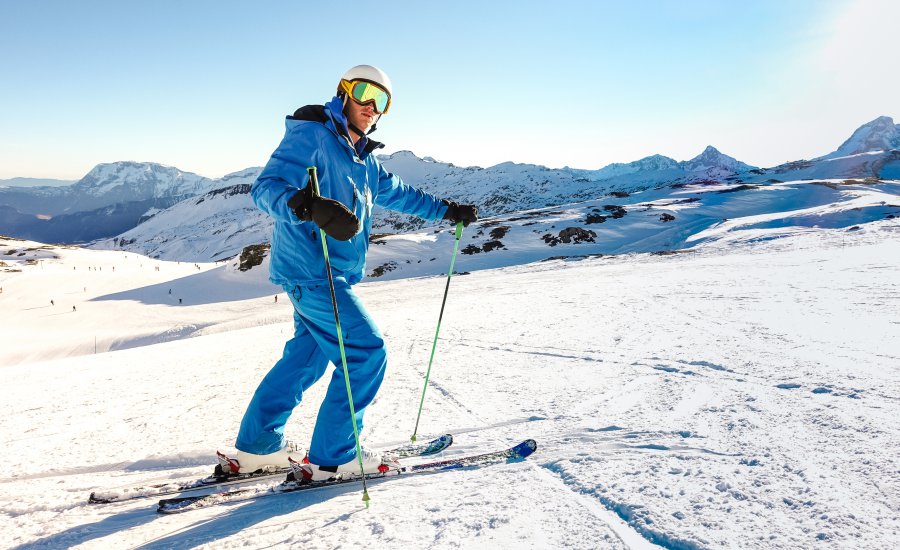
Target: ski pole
<point>459,231</point>
<point>314,181</point>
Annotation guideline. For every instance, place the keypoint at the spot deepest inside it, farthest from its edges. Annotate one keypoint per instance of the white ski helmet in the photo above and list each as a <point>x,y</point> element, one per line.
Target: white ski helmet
<point>366,83</point>
<point>370,73</point>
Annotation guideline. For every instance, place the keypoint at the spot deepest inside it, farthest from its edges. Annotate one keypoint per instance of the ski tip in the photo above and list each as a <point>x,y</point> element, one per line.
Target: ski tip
<point>98,499</point>
<point>174,505</point>
<point>437,445</point>
<point>525,448</point>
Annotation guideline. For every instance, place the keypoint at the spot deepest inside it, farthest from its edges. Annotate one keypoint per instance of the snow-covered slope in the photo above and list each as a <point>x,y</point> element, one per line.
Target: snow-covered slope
<point>61,301</point>
<point>211,227</point>
<point>662,221</point>
<point>220,224</point>
<point>739,396</point>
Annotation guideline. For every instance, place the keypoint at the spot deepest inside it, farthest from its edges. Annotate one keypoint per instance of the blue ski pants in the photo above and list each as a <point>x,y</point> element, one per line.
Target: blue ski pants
<point>304,361</point>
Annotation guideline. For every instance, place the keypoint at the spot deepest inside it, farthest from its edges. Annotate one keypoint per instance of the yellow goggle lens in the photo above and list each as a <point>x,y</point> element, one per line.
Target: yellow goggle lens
<point>365,92</point>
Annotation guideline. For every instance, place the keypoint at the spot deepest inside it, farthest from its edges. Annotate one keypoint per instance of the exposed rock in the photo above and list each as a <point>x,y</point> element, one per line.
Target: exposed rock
<point>743,187</point>
<point>615,210</point>
<point>252,256</point>
<point>499,232</point>
<point>666,217</point>
<point>383,268</point>
<point>492,245</point>
<point>576,235</point>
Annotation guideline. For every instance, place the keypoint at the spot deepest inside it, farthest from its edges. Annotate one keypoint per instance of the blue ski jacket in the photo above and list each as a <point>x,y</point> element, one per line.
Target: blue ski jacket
<point>317,136</point>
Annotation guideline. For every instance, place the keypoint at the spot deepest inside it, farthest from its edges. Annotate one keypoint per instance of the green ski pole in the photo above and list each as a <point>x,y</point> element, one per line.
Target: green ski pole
<point>314,181</point>
<point>459,231</point>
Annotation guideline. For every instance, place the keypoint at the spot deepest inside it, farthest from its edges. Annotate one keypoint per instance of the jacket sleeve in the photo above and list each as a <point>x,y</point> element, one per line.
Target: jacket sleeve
<point>284,175</point>
<point>394,194</point>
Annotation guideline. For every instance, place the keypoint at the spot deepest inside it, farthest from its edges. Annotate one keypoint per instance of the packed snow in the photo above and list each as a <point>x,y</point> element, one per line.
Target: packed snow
<point>740,393</point>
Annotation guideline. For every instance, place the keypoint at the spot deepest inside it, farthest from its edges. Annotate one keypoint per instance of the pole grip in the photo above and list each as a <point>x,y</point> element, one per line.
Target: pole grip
<point>313,180</point>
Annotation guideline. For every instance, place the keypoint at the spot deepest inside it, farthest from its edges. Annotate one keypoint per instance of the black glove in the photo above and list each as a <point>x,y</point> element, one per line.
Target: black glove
<point>466,213</point>
<point>335,219</point>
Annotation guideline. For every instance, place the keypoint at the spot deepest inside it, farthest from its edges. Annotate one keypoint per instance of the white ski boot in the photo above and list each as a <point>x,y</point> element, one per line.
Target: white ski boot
<point>373,463</point>
<point>279,460</point>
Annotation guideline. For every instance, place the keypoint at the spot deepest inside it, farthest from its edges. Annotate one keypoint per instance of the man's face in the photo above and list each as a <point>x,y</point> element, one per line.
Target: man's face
<point>361,116</point>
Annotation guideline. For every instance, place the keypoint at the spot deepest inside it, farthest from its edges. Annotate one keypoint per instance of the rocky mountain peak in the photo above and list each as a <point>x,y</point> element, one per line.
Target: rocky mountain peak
<point>712,158</point>
<point>880,134</point>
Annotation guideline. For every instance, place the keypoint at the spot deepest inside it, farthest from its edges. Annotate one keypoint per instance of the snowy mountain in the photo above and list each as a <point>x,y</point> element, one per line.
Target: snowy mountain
<point>105,185</point>
<point>501,189</point>
<point>216,231</point>
<point>110,199</point>
<point>509,187</point>
<point>227,221</point>
<point>873,151</point>
<point>133,181</point>
<point>715,164</point>
<point>879,135</point>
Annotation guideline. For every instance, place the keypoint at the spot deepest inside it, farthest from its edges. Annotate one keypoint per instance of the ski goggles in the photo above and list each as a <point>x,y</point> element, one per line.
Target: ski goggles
<point>363,91</point>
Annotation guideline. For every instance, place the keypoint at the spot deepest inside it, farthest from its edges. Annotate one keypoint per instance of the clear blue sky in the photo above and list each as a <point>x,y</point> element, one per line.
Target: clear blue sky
<point>204,85</point>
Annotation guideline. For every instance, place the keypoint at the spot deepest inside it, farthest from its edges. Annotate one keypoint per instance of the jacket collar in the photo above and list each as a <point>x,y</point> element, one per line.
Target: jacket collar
<point>332,116</point>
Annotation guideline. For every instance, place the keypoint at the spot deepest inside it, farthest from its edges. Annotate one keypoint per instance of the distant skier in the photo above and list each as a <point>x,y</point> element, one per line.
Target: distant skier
<point>334,139</point>
<point>73,309</point>
<point>52,303</point>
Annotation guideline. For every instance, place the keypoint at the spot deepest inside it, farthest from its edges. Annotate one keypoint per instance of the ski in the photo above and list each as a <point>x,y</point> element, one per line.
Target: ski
<point>226,474</point>
<point>185,504</point>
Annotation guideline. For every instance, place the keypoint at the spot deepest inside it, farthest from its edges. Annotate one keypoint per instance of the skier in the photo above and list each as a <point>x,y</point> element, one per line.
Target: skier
<point>334,139</point>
